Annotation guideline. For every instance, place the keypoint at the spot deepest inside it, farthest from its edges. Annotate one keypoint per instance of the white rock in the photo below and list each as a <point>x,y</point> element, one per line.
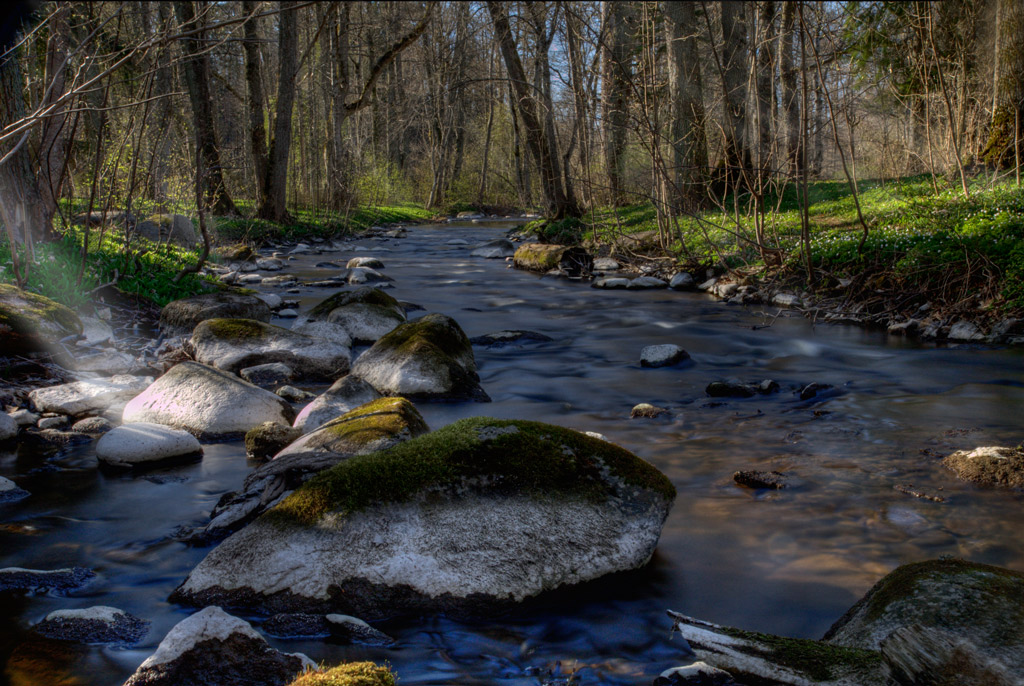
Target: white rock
<point>131,445</point>
<point>370,262</point>
<point>683,281</point>
<point>107,362</point>
<point>288,314</point>
<point>329,331</point>
<point>21,418</point>
<point>617,282</point>
<point>964,330</point>
<point>605,264</point>
<point>273,300</point>
<point>787,300</point>
<point>206,401</point>
<point>346,394</point>
<point>82,397</point>
<point>496,249</point>
<point>9,491</point>
<point>101,613</point>
<point>96,332</point>
<point>270,264</point>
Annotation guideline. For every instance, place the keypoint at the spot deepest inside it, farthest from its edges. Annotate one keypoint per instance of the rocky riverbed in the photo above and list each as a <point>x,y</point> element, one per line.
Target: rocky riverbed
<point>514,548</point>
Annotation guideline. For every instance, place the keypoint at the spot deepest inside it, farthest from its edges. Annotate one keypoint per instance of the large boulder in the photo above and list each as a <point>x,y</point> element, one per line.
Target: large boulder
<point>499,248</point>
<point>235,344</point>
<point>374,426</point>
<point>212,648</point>
<point>206,402</point>
<point>344,395</point>
<point>143,444</point>
<point>33,323</point>
<point>90,396</point>
<point>543,257</point>
<point>171,228</point>
<point>481,513</point>
<point>979,604</point>
<point>181,316</point>
<point>430,359</point>
<point>366,314</point>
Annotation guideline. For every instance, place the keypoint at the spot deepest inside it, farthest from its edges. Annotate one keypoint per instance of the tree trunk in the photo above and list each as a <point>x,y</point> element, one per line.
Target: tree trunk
<point>764,82</point>
<point>734,82</point>
<point>163,85</point>
<point>538,140</point>
<point>616,76</point>
<point>686,120</point>
<point>197,79</point>
<point>790,96</point>
<point>274,206</point>
<point>52,147</point>
<point>256,99</point>
<point>1007,84</point>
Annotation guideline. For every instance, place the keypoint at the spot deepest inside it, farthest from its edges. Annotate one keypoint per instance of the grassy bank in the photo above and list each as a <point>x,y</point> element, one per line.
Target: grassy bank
<point>961,252</point>
<point>147,270</point>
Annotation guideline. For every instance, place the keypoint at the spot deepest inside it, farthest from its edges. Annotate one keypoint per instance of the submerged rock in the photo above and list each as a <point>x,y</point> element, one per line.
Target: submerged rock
<point>143,443</point>
<point>542,257</point>
<point>182,316</point>
<point>647,411</point>
<point>19,579</point>
<point>344,395</point>
<point>207,402</point>
<point>365,314</point>
<point>737,389</point>
<point>500,339</point>
<point>695,674</point>
<point>9,491</point>
<point>212,648</point>
<point>235,344</point>
<point>761,479</point>
<point>646,282</point>
<point>989,465</point>
<point>99,624</point>
<point>499,248</point>
<point>483,512</point>
<point>33,323</point>
<point>430,358</point>
<point>371,427</point>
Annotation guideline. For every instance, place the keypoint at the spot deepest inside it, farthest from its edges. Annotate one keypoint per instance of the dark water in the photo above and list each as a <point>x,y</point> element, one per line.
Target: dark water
<point>787,562</point>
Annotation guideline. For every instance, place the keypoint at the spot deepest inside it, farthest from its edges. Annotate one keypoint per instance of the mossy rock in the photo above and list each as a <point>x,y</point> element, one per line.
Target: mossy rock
<point>483,512</point>
<point>240,252</point>
<point>363,296</point>
<point>544,257</point>
<point>365,314</point>
<point>33,323</point>
<point>268,439</point>
<point>182,316</point>
<point>351,674</point>
<point>979,603</point>
<point>429,359</point>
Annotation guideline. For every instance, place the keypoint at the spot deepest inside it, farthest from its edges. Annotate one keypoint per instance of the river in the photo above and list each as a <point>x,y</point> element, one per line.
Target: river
<point>787,562</point>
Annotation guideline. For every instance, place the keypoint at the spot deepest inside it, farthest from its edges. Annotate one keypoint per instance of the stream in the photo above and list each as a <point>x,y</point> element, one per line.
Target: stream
<point>787,562</point>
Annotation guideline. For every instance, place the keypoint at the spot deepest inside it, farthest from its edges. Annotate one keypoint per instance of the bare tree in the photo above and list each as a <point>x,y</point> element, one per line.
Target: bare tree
<point>686,104</point>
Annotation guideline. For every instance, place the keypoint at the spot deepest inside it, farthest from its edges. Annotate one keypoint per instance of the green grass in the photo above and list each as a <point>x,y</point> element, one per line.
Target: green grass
<point>917,238</point>
<point>314,223</point>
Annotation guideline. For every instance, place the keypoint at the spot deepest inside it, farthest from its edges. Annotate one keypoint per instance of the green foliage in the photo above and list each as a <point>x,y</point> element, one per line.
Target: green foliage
<point>568,231</point>
<point>351,674</point>
<point>314,223</point>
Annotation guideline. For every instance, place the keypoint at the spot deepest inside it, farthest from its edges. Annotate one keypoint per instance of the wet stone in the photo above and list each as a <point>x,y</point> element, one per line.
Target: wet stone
<point>60,580</point>
<point>648,411</point>
<point>99,624</point>
<point>9,491</point>
<point>662,355</point>
<point>761,479</point>
<point>92,425</point>
<point>297,625</point>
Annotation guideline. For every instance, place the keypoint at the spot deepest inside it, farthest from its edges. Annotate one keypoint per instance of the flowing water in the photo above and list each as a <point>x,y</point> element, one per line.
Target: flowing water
<point>787,562</point>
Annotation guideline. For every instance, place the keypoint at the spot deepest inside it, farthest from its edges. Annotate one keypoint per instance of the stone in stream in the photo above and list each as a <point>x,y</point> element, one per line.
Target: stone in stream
<point>761,479</point>
<point>330,331</point>
<point>371,427</point>
<point>212,648</point>
<point>38,580</point>
<point>369,262</point>
<point>9,491</point>
<point>542,257</point>
<point>646,283</point>
<point>995,465</point>
<point>366,314</point>
<point>343,627</point>
<point>268,439</point>
<point>89,397</point>
<point>234,344</point>
<point>142,444</point>
<point>812,390</point>
<point>270,264</point>
<point>93,425</point>
<point>98,624</point>
<point>293,394</point>
<point>9,427</point>
<point>683,281</point>
<point>736,389</point>
<point>664,355</point>
<point>964,330</point>
<point>500,339</point>
<point>429,359</point>
<point>106,362</point>
<point>206,402</point>
<point>695,674</point>
<point>479,514</point>
<point>22,418</point>
<point>355,630</point>
<point>618,282</point>
<point>273,300</point>
<point>647,411</point>
<point>52,423</point>
<point>606,264</point>
<point>264,375</point>
<point>916,655</point>
<point>787,300</point>
<point>360,275</point>
<point>182,316</point>
<point>499,248</point>
<point>344,395</point>
<point>32,323</point>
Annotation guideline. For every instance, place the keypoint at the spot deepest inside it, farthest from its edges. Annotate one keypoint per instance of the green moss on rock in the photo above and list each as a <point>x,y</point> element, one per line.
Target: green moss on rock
<point>268,439</point>
<point>31,322</point>
<point>237,329</point>
<point>508,455</point>
<point>351,674</point>
<point>374,421</point>
<point>816,660</point>
<point>366,296</point>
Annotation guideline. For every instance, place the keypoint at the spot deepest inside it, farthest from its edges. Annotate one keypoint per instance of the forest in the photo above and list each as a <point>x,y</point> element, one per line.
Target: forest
<point>726,134</point>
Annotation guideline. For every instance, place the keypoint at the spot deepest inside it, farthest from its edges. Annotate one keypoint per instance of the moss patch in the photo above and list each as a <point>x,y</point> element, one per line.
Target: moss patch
<point>367,296</point>
<point>816,660</point>
<point>352,674</point>
<point>434,335</point>
<point>529,457</point>
<point>28,320</point>
<point>376,420</point>
<point>236,329</point>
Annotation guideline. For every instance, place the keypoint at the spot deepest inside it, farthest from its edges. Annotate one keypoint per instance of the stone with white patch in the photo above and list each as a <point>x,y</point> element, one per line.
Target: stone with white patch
<point>499,248</point>
<point>212,648</point>
<point>695,674</point>
<point>9,491</point>
<point>142,443</point>
<point>365,314</point>
<point>98,624</point>
<point>206,402</point>
<point>606,264</point>
<point>459,519</point>
<point>787,300</point>
<point>60,580</point>
<point>345,395</point>
<point>356,630</point>
<point>370,262</point>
